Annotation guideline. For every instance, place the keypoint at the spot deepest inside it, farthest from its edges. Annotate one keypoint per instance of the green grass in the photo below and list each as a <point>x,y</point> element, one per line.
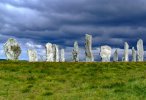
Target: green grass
<point>72,81</point>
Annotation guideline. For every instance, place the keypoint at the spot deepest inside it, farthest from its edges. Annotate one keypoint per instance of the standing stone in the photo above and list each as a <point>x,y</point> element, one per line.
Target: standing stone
<point>115,58</point>
<point>105,53</point>
<point>75,52</point>
<point>88,48</point>
<point>55,53</point>
<point>140,50</point>
<point>126,49</point>
<point>12,49</point>
<point>133,54</point>
<point>32,55</point>
<point>49,52</point>
<point>62,58</point>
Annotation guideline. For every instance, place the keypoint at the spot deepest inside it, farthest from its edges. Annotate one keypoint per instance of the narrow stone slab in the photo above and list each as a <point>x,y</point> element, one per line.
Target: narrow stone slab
<point>133,54</point>
<point>88,48</point>
<point>115,58</point>
<point>49,52</point>
<point>55,53</point>
<point>75,52</point>
<point>140,50</point>
<point>126,52</point>
<point>62,56</point>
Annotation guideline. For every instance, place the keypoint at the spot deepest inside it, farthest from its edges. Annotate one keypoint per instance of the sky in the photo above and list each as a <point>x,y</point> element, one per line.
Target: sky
<point>36,22</point>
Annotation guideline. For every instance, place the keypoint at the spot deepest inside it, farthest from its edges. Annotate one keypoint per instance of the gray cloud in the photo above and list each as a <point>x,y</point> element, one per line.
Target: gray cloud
<point>62,22</point>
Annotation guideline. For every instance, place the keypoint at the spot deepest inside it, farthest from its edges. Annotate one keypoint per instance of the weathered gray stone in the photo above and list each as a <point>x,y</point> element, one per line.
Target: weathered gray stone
<point>32,55</point>
<point>62,58</point>
<point>55,53</point>
<point>115,58</point>
<point>88,48</point>
<point>105,53</point>
<point>126,53</point>
<point>133,55</point>
<point>12,49</point>
<point>75,52</point>
<point>140,50</point>
<point>49,52</point>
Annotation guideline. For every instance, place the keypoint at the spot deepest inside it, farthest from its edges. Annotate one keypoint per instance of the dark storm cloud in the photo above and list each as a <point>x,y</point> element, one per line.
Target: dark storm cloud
<point>62,22</point>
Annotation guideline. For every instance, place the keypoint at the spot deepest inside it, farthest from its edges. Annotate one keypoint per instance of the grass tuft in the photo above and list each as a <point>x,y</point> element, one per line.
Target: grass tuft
<point>20,80</point>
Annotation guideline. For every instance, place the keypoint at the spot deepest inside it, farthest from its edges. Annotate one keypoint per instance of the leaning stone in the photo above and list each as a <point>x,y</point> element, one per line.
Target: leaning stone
<point>133,55</point>
<point>140,50</point>
<point>88,48</point>
<point>105,53</point>
<point>49,52</point>
<point>12,49</point>
<point>75,52</point>
<point>32,55</point>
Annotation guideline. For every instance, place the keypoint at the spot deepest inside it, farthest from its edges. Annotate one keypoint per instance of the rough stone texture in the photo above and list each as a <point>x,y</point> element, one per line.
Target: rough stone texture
<point>105,53</point>
<point>32,55</point>
<point>49,52</point>
<point>115,58</point>
<point>133,54</point>
<point>62,58</point>
<point>75,52</point>
<point>126,54</point>
<point>88,48</point>
<point>12,49</point>
<point>140,50</point>
<point>55,53</point>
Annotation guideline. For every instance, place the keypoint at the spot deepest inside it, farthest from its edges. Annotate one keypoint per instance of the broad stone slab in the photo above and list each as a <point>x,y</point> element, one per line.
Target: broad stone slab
<point>75,52</point>
<point>32,55</point>
<point>105,53</point>
<point>12,49</point>
<point>88,48</point>
<point>140,50</point>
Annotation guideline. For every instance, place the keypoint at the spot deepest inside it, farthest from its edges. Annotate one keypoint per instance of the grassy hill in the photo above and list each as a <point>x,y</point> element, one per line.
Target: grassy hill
<point>72,81</point>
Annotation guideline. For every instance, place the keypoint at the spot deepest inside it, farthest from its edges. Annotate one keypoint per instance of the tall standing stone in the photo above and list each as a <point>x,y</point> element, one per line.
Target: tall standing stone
<point>12,49</point>
<point>55,53</point>
<point>49,52</point>
<point>115,58</point>
<point>88,48</point>
<point>140,50</point>
<point>75,52</point>
<point>32,55</point>
<point>62,56</point>
<point>105,53</point>
<point>133,54</point>
<point>126,54</point>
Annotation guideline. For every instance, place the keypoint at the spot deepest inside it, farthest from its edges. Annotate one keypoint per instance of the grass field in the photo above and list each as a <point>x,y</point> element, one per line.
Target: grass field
<point>72,81</point>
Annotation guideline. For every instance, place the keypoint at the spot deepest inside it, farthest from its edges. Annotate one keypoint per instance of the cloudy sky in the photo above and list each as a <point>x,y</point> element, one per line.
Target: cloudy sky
<point>35,22</point>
